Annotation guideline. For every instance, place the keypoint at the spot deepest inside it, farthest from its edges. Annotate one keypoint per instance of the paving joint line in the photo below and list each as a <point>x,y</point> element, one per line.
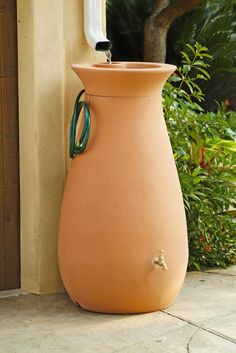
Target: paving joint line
<point>190,340</point>
<point>213,332</point>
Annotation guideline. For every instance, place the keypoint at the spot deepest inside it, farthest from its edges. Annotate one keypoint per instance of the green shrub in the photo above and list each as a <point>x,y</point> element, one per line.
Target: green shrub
<point>213,24</point>
<point>204,148</point>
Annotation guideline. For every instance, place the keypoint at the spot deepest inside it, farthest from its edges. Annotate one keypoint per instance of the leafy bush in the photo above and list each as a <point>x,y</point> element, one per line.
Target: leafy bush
<point>213,24</point>
<point>205,153</point>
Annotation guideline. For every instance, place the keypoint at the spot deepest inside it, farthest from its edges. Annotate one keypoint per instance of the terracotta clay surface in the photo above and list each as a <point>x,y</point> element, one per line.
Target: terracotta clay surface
<point>122,202</point>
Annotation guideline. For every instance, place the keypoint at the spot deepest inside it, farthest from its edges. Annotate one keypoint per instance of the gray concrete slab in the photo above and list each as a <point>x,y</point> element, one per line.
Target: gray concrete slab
<point>209,299</point>
<point>204,342</point>
<point>202,320</point>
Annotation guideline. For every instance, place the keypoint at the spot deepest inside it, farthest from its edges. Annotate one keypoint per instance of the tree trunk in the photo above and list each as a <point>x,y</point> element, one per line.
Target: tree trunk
<point>155,34</point>
<point>158,24</point>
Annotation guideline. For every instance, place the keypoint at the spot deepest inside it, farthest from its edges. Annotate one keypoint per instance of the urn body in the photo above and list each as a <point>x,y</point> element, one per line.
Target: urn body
<point>122,204</point>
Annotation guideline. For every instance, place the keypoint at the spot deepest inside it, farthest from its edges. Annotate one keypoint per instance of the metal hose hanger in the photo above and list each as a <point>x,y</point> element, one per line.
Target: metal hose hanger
<point>78,147</point>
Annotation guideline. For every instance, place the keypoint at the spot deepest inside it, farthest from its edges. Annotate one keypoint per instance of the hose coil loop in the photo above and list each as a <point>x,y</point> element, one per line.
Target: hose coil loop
<point>78,147</point>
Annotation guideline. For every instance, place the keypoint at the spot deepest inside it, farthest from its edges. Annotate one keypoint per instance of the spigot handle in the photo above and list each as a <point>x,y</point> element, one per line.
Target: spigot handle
<point>159,261</point>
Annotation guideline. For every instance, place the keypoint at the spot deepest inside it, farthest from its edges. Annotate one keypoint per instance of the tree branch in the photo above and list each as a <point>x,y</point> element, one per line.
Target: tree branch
<point>159,5</point>
<point>157,26</point>
<point>176,9</point>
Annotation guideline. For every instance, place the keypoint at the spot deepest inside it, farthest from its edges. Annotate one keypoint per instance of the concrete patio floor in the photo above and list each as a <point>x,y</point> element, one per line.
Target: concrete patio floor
<point>203,319</point>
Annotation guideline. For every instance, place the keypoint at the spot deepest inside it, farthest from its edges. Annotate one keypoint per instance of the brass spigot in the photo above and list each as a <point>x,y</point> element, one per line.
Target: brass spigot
<point>159,261</point>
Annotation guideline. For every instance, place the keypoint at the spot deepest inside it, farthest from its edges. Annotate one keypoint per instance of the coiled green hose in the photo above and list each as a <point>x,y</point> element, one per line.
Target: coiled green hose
<point>78,147</point>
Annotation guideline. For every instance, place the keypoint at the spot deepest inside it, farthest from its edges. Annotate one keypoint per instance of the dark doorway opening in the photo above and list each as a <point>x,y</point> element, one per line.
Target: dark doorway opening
<point>9,149</point>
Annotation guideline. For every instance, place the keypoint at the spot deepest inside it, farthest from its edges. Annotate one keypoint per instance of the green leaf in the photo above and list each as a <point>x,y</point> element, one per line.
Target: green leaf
<point>197,266</point>
<point>185,55</point>
<point>191,48</point>
<point>200,63</point>
<point>203,71</point>
<point>186,68</point>
<point>174,78</point>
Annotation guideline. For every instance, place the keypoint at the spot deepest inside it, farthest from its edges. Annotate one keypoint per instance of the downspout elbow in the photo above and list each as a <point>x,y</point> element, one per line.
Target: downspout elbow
<point>93,26</point>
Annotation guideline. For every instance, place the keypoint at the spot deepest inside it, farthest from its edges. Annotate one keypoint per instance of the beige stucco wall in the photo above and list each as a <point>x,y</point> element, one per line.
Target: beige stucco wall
<point>50,38</point>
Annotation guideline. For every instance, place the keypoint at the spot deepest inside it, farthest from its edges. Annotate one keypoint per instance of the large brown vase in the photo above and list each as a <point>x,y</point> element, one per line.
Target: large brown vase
<point>123,239</point>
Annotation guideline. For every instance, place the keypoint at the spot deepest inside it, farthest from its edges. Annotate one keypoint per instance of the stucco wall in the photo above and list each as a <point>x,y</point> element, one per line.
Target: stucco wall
<point>50,38</point>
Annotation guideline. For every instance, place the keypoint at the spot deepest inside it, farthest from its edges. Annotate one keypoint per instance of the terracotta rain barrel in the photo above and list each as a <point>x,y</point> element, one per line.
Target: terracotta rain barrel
<point>123,241</point>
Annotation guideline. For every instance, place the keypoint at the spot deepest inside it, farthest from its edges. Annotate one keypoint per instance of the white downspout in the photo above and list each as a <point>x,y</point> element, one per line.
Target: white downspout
<point>93,26</point>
